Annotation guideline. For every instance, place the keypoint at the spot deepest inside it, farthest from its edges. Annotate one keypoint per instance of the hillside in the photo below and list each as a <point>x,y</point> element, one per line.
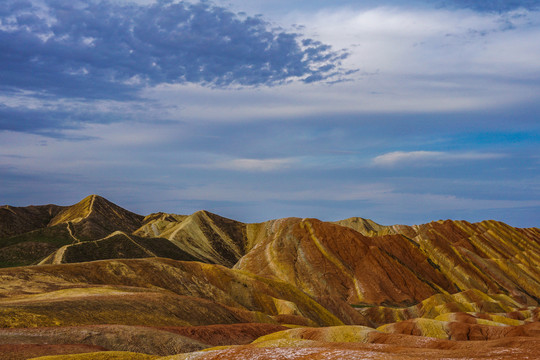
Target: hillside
<point>19,220</point>
<point>95,217</point>
<point>167,284</point>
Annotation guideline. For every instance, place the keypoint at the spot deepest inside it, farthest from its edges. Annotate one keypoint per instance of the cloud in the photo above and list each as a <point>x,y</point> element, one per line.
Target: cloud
<point>419,158</point>
<point>414,60</point>
<point>493,5</point>
<point>52,122</point>
<point>255,164</point>
<point>105,50</point>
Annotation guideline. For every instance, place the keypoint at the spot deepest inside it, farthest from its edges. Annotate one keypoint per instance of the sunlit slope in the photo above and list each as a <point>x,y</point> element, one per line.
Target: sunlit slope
<point>205,236</point>
<point>490,256</point>
<point>209,237</point>
<point>331,261</point>
<point>150,292</point>
<point>96,229</point>
<point>30,234</point>
<point>337,343</point>
<point>401,290</point>
<point>366,226</point>
<point>328,260</point>
<point>500,308</point>
<point>95,217</point>
<point>156,224</point>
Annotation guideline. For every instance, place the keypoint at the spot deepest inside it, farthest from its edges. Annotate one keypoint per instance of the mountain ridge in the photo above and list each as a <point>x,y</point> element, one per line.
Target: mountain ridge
<point>342,287</point>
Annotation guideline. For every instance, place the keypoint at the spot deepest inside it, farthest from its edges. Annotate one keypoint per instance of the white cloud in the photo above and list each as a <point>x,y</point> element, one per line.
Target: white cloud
<point>420,158</point>
<point>410,61</point>
<point>428,41</point>
<point>255,164</point>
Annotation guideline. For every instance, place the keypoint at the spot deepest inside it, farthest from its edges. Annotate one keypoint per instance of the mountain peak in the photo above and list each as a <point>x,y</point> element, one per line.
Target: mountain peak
<point>95,217</point>
<point>75,213</point>
<point>364,226</point>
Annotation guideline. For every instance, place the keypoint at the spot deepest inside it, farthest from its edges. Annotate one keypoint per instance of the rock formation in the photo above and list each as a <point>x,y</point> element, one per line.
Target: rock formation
<point>173,285</point>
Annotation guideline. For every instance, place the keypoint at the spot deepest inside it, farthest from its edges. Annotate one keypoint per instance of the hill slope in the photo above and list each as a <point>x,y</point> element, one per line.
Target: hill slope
<point>19,220</point>
<point>95,217</point>
<point>110,279</point>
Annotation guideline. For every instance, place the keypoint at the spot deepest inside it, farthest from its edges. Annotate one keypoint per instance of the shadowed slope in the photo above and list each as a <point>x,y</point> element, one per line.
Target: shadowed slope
<point>31,247</point>
<point>19,220</point>
<point>30,351</point>
<point>202,236</point>
<point>231,334</point>
<point>118,245</point>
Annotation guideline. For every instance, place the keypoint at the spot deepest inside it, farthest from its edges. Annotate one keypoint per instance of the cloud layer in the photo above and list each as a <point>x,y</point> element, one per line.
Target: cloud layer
<point>420,158</point>
<point>105,50</point>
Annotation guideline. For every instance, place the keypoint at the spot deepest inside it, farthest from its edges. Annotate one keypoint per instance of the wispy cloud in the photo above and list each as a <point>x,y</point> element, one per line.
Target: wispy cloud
<point>420,158</point>
<point>256,164</point>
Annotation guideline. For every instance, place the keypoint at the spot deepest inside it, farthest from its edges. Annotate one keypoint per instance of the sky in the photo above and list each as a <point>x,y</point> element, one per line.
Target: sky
<point>403,112</point>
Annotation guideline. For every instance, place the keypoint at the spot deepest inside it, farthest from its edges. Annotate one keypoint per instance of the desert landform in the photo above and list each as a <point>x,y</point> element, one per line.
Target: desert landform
<point>96,281</point>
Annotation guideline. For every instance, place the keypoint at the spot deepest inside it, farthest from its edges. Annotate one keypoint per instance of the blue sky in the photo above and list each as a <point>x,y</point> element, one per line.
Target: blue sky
<point>402,112</point>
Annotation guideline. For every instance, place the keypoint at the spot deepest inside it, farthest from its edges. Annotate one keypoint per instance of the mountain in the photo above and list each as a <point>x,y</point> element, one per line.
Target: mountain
<point>117,245</point>
<point>95,217</point>
<point>28,235</point>
<point>166,284</point>
<point>328,260</point>
<point>20,220</point>
<point>209,237</point>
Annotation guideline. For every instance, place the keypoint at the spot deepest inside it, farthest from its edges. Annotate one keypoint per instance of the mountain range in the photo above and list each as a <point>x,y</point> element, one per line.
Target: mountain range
<point>97,280</point>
